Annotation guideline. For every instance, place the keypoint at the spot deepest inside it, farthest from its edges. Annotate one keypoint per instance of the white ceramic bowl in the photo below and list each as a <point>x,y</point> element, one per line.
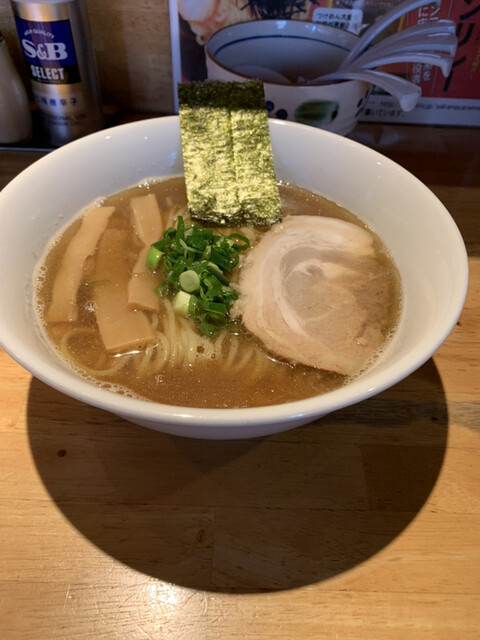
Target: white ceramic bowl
<point>295,49</point>
<point>420,233</point>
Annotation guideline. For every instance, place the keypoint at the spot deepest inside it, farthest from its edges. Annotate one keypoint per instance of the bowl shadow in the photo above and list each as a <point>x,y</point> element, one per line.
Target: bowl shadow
<point>249,515</point>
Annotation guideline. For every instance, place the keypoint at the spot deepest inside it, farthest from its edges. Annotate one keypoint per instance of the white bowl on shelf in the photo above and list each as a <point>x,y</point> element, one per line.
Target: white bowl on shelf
<point>420,233</point>
<point>294,49</point>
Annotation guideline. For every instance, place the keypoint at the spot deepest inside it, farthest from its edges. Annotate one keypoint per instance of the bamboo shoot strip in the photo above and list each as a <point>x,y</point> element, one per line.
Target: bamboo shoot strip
<point>142,285</point>
<point>227,156</point>
<point>120,328</point>
<point>147,221</point>
<point>147,218</point>
<point>63,306</point>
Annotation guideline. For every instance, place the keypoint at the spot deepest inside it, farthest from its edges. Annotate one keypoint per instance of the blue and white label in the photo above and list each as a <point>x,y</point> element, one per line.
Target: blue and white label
<point>348,19</point>
<point>49,51</point>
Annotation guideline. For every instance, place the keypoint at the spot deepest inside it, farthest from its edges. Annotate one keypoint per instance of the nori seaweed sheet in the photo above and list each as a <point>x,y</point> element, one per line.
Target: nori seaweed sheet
<point>227,155</point>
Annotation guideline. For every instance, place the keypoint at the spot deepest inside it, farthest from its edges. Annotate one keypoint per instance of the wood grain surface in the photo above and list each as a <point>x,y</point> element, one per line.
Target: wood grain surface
<point>362,526</point>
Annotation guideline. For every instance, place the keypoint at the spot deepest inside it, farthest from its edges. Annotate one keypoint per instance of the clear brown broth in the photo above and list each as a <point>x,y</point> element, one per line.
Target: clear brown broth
<point>201,384</point>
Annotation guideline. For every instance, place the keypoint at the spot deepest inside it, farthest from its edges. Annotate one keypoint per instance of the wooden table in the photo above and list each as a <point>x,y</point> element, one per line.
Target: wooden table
<point>364,525</point>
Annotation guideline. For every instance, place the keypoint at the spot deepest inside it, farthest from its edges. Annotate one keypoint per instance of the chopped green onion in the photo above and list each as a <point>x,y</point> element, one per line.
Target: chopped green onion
<point>195,260</point>
<point>181,303</point>
<point>186,247</point>
<point>192,306</point>
<point>189,281</point>
<point>153,257</point>
<point>216,271</point>
<point>178,268</point>
<point>242,244</point>
<point>225,260</point>
<point>180,232</point>
<point>215,308</point>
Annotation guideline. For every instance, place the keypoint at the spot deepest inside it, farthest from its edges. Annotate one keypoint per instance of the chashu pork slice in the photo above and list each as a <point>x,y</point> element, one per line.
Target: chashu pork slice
<point>313,291</point>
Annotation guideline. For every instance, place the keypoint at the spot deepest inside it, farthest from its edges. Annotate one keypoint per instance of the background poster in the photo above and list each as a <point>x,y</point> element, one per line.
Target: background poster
<point>454,100</point>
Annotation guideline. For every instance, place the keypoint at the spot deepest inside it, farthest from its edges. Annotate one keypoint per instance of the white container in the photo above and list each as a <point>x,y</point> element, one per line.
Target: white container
<point>15,116</point>
<point>56,45</point>
<point>294,49</point>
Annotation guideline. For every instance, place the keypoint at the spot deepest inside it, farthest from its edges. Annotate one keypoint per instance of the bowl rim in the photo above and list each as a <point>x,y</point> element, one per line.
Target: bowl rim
<point>303,24</point>
<point>268,22</point>
<point>56,375</point>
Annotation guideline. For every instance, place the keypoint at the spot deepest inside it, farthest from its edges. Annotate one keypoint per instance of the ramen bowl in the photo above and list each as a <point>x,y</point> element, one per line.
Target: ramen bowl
<point>299,52</point>
<point>419,232</point>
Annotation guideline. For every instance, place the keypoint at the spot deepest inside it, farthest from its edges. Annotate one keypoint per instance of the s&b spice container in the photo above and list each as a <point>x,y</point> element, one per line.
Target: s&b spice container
<point>60,59</point>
